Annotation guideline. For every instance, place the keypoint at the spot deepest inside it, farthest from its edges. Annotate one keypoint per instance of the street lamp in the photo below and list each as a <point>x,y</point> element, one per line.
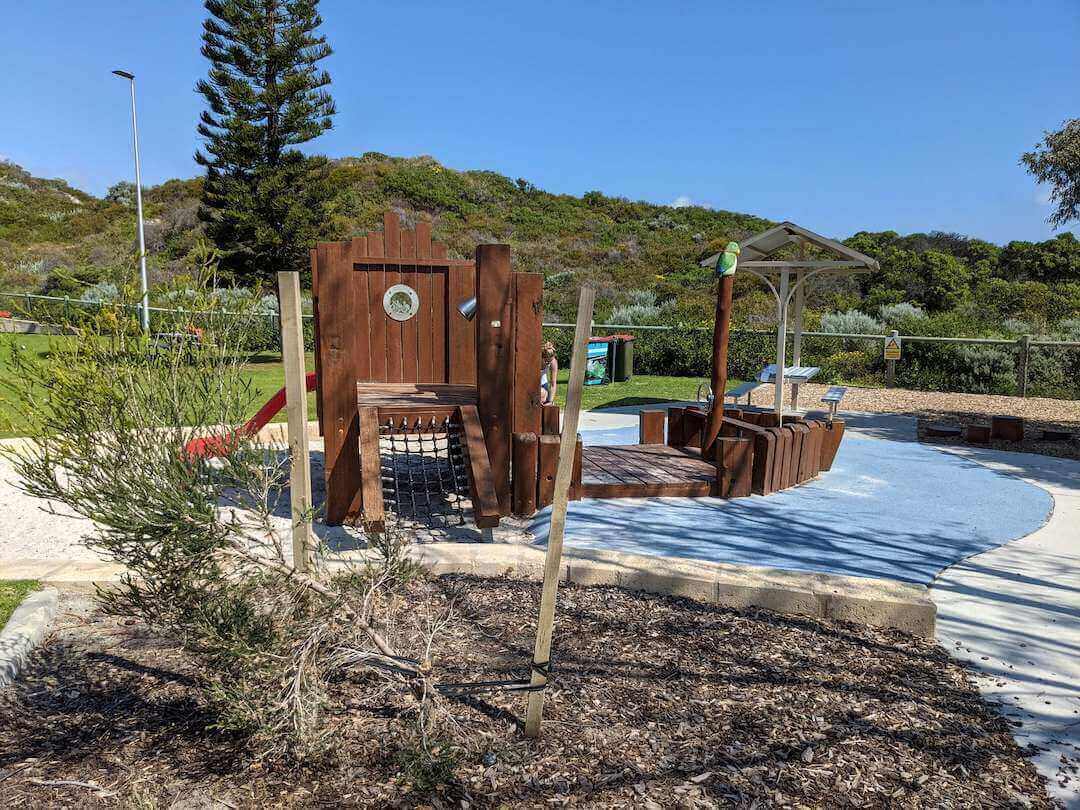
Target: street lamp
<point>145,313</point>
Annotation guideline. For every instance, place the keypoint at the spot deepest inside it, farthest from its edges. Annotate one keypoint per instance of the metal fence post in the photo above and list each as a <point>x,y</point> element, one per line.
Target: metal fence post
<point>1023,348</point>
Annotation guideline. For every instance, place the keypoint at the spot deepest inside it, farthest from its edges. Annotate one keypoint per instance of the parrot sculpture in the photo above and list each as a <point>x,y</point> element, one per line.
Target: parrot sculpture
<point>728,260</point>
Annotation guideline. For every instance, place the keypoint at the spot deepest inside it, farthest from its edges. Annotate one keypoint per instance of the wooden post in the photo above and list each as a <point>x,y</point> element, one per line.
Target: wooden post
<point>721,337</point>
<point>1023,349</point>
<point>781,348</point>
<point>525,470</point>
<point>890,365</point>
<point>651,427</point>
<point>292,343</point>
<point>541,663</point>
<point>796,340</point>
<point>495,361</point>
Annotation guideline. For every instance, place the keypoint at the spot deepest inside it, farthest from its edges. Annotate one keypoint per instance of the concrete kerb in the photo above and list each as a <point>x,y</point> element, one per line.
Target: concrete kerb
<point>24,631</point>
<point>875,602</point>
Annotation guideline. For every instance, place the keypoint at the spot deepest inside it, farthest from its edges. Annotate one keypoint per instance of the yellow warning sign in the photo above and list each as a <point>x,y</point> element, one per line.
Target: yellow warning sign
<point>892,347</point>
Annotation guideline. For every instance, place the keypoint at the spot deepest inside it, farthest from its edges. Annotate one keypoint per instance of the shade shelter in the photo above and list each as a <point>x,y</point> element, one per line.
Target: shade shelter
<point>768,255</point>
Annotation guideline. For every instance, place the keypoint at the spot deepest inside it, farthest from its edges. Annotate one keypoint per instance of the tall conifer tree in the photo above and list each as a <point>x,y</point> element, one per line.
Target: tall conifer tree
<point>263,199</point>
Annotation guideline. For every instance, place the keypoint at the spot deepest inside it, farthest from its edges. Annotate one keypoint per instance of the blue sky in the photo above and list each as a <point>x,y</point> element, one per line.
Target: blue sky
<point>839,116</point>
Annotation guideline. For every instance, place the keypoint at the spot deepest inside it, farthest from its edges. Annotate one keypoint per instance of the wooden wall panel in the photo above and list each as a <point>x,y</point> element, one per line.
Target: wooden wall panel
<point>439,278</point>
<point>461,351</point>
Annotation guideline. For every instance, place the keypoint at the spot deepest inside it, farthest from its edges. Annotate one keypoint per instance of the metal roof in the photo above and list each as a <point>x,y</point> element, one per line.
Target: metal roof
<point>758,248</point>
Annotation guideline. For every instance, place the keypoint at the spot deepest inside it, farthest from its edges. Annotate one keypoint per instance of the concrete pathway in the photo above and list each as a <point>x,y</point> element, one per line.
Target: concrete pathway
<point>1014,614</point>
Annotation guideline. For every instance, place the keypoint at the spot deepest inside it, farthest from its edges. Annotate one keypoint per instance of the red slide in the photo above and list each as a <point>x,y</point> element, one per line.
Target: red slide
<point>211,446</point>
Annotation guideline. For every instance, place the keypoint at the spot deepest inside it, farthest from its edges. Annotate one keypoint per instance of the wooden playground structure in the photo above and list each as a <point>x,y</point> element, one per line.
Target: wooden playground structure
<point>427,390</point>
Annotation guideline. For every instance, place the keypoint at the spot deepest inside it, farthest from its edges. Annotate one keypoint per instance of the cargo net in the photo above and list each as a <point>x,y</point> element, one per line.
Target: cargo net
<point>425,482</point>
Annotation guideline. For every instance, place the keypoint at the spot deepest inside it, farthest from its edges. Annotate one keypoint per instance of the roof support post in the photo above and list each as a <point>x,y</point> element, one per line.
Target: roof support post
<point>796,343</point>
<point>781,344</point>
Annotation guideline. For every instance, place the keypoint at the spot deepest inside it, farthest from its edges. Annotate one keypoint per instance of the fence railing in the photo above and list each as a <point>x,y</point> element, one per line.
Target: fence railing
<point>686,350</point>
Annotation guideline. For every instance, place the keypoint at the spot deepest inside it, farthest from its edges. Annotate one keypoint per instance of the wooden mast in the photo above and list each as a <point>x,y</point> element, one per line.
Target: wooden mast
<point>721,336</point>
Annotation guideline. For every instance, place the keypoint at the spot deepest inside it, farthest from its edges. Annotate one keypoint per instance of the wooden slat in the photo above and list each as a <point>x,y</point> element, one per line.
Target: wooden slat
<point>830,443</point>
<point>547,467</point>
<point>423,240</point>
<point>371,471</point>
<point>438,251</point>
<point>735,461</point>
<point>525,469</point>
<point>376,279</point>
<point>438,279</point>
<point>675,426</point>
<point>549,417</point>
<point>410,333</point>
<point>799,432</point>
<point>485,501</point>
<point>783,453</point>
<point>495,360</point>
<point>391,235</point>
<point>426,341</point>
<point>764,459</point>
<point>817,433</point>
<point>651,427</point>
<point>461,351</point>
<point>391,328</point>
<point>416,395</point>
<point>358,317</point>
<point>527,308</point>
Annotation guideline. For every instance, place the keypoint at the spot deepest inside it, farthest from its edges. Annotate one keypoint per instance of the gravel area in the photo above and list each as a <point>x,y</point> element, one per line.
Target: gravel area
<point>658,702</point>
<point>960,409</point>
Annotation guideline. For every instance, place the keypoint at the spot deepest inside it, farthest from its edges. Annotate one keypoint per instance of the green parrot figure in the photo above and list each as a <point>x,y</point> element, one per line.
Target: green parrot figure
<point>729,259</point>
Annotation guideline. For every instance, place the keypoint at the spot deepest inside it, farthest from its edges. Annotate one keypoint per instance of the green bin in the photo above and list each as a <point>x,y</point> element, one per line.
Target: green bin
<point>624,357</point>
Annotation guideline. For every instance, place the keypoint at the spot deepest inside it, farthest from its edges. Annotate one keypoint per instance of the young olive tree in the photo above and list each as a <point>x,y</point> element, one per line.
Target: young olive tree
<point>115,422</point>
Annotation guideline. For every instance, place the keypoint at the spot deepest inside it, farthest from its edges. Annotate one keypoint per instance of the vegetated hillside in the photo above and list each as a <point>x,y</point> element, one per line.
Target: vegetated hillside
<point>642,257</point>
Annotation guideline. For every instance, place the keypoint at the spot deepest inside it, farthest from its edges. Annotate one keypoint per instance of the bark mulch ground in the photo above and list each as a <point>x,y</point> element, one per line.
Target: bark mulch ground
<point>659,702</point>
<point>943,408</point>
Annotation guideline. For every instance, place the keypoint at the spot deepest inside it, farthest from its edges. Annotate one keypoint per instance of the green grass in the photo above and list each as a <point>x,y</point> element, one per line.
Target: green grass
<point>12,592</point>
<point>638,390</point>
<point>268,375</point>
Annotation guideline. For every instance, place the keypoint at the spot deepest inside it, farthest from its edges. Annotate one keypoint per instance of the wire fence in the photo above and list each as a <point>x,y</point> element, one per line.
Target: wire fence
<point>1024,366</point>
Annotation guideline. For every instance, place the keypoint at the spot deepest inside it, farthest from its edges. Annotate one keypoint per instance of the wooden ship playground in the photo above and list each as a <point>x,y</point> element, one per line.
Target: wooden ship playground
<point>427,394</point>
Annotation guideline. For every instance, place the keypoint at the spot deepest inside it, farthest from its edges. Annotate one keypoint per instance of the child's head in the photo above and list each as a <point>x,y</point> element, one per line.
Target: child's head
<point>547,351</point>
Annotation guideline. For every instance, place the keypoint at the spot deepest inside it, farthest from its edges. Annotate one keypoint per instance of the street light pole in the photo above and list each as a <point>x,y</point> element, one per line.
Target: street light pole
<point>144,316</point>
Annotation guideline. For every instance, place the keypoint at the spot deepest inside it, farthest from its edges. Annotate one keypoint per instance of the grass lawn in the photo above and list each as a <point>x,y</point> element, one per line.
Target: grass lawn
<point>267,376</point>
<point>12,592</point>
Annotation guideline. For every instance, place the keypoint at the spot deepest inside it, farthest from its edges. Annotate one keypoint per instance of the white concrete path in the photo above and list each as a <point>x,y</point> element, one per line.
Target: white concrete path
<point>1014,614</point>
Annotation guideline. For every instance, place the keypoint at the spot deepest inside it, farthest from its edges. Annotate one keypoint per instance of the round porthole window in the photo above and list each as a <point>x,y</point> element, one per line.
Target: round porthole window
<point>401,302</point>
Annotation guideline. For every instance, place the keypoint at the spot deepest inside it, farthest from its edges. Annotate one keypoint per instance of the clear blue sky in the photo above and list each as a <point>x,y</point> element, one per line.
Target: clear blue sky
<point>841,117</point>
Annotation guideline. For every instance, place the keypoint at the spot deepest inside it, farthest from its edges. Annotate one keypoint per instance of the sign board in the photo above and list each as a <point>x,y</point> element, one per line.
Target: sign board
<point>597,358</point>
<point>892,347</point>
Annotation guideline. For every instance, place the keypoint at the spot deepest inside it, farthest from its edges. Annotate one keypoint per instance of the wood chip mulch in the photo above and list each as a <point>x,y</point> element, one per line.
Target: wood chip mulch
<point>943,408</point>
<point>659,702</point>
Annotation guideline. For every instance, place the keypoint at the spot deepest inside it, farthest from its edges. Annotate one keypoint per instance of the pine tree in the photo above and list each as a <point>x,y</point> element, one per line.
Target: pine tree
<point>263,199</point>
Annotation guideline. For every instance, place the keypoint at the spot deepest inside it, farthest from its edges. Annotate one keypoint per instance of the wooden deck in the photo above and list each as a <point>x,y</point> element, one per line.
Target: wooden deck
<point>645,471</point>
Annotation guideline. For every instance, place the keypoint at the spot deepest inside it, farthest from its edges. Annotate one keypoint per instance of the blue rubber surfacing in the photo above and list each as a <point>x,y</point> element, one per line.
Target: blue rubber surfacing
<point>889,509</point>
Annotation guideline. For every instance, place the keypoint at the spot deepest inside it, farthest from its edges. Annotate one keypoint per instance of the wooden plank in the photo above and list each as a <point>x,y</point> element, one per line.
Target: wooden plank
<point>526,450</point>
<point>734,464</point>
<point>423,240</point>
<point>410,333</point>
<point>830,443</point>
<point>391,235</point>
<point>341,434</point>
<point>783,456</point>
<point>813,448</point>
<point>764,458</point>
<point>374,509</point>
<point>426,340</point>
<point>495,360</point>
<point>548,465</point>
<point>438,280</point>
<point>416,395</point>
<point>438,251</point>
<point>527,308</point>
<point>805,452</point>
<point>675,424</point>
<point>651,427</point>
<point>545,624</point>
<point>292,349</point>
<point>391,276</point>
<point>485,501</point>
<point>799,431</point>
<point>693,427</point>
<point>359,316</point>
<point>549,417</point>
<point>791,463</point>
<point>376,280</point>
<point>461,334</point>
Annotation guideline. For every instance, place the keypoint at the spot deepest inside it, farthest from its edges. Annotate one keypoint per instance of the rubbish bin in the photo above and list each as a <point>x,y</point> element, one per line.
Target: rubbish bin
<point>598,361</point>
<point>624,357</point>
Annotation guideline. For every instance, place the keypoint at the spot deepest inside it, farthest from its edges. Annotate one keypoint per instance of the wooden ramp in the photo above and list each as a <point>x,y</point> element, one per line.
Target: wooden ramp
<point>645,471</point>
